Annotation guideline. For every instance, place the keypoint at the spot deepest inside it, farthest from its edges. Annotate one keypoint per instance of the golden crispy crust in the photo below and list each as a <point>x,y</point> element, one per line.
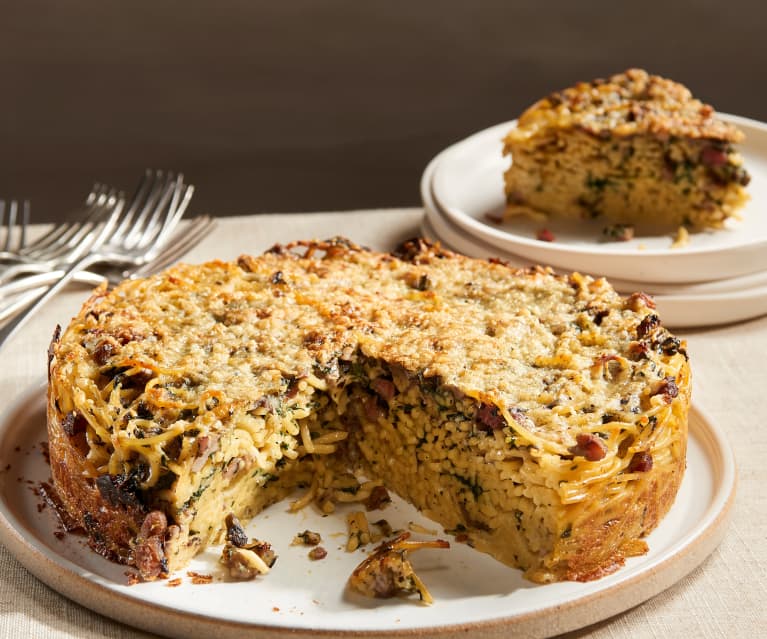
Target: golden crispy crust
<point>627,104</point>
<point>605,542</point>
<point>111,527</point>
<point>536,391</point>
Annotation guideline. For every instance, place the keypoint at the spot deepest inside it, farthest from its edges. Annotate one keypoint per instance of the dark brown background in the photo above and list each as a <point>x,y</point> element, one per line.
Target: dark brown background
<point>309,105</point>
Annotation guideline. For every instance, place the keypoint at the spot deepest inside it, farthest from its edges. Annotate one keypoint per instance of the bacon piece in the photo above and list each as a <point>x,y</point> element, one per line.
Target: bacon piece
<point>314,339</point>
<point>668,388</point>
<point>641,462</point>
<point>315,554</point>
<point>635,301</point>
<point>384,388</point>
<point>373,410</point>
<point>671,346</point>
<point>155,524</point>
<point>713,157</point>
<point>233,467</point>
<point>648,324</point>
<point>150,553</point>
<point>638,350</point>
<point>235,533</point>
<point>589,446</point>
<point>73,423</point>
<point>206,446</point>
<point>544,235</point>
<point>103,351</point>
<point>489,418</point>
<point>378,498</point>
<point>127,335</point>
<point>292,390</point>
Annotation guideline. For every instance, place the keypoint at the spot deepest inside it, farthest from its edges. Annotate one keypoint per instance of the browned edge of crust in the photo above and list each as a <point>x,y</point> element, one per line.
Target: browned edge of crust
<point>114,525</point>
<point>111,518</point>
<point>602,544</point>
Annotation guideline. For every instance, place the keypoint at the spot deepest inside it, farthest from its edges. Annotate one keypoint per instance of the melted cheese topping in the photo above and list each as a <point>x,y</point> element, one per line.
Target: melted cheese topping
<point>205,374</point>
<point>627,104</point>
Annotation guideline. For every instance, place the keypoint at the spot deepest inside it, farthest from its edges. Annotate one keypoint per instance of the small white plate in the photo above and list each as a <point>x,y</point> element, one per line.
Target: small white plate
<point>474,594</point>
<point>679,305</point>
<point>468,187</point>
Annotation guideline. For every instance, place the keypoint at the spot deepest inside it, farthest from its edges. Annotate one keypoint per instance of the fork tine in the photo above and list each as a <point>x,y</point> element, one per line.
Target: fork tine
<point>150,210</point>
<point>69,240</point>
<point>25,218</point>
<point>62,234</point>
<point>155,182</point>
<point>104,246</point>
<point>120,224</point>
<point>74,244</point>
<point>159,217</point>
<point>64,246</point>
<point>63,238</point>
<point>92,195</point>
<point>179,207</point>
<point>179,244</point>
<point>112,221</point>
<point>15,233</point>
<point>2,213</point>
<point>144,187</point>
<point>12,212</point>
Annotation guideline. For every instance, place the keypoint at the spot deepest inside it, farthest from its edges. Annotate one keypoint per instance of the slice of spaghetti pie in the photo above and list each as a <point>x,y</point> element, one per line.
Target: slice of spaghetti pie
<point>542,418</point>
<point>633,149</point>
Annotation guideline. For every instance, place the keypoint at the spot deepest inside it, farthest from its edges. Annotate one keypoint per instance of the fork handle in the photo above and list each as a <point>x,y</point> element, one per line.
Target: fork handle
<point>13,271</point>
<point>12,327</point>
<point>45,279</point>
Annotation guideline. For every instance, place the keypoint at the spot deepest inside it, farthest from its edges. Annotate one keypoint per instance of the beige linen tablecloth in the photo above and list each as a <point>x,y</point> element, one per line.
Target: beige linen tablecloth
<point>725,597</point>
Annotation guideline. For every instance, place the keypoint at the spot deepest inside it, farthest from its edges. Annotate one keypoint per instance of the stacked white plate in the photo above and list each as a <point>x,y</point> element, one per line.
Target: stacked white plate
<point>717,277</point>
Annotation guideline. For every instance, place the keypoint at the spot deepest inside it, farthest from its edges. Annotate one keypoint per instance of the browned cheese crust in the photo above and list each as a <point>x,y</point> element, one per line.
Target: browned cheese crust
<point>541,418</point>
<point>632,149</point>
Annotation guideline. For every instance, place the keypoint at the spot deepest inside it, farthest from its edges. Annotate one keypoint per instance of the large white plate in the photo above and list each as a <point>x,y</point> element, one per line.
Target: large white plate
<point>300,598</point>
<point>468,186</point>
<point>679,305</point>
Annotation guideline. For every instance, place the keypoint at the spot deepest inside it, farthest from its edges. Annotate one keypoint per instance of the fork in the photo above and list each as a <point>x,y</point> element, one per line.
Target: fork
<point>134,236</point>
<point>30,288</point>
<point>12,249</point>
<point>64,242</point>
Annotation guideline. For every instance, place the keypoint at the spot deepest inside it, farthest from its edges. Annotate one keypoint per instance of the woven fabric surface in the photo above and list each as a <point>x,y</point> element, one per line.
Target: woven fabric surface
<point>726,596</point>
